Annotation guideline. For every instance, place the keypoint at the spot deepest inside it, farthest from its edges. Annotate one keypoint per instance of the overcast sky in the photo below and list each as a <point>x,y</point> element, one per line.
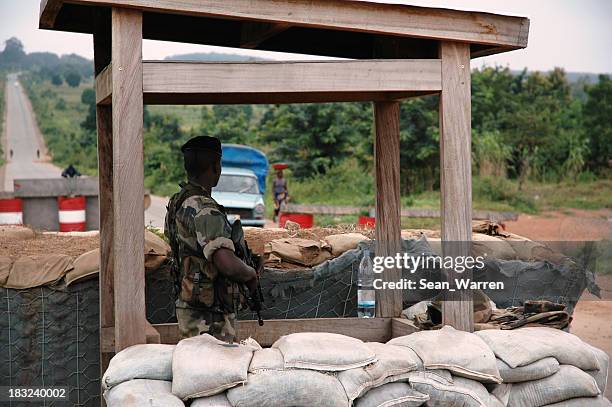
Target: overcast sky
<point>573,34</point>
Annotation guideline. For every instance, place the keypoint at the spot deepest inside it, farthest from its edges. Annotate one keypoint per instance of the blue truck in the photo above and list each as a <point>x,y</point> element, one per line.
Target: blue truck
<point>242,184</point>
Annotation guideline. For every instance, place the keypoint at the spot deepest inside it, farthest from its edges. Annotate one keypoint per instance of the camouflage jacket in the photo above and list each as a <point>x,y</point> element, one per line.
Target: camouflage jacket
<point>201,227</point>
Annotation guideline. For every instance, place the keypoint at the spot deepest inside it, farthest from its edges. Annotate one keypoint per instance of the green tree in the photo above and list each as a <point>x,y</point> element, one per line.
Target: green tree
<point>598,124</point>
<point>73,79</point>
<point>229,123</point>
<point>315,137</point>
<point>56,80</point>
<point>13,56</point>
<point>88,98</point>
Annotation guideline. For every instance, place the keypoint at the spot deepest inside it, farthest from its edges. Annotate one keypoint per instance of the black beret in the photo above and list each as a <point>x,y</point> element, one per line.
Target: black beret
<point>203,143</point>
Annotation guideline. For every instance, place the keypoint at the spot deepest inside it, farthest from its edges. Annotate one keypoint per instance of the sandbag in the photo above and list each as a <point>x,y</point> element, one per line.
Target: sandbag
<point>323,351</point>
<point>14,232</point>
<point>155,251</point>
<point>569,382</point>
<point>501,392</point>
<point>5,269</point>
<point>295,250</point>
<point>87,265</point>
<point>492,247</point>
<point>218,400</point>
<point>392,394</point>
<point>34,271</point>
<point>528,345</point>
<point>392,364</point>
<point>584,402</point>
<point>267,359</point>
<point>287,388</point>
<point>343,242</point>
<point>600,375</point>
<point>204,366</point>
<point>142,392</point>
<point>150,361</point>
<point>533,371</point>
<point>462,353</point>
<point>528,250</point>
<point>458,392</point>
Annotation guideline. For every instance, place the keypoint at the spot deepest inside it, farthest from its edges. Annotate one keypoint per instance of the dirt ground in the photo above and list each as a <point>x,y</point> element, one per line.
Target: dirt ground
<point>592,316</point>
<point>17,242</point>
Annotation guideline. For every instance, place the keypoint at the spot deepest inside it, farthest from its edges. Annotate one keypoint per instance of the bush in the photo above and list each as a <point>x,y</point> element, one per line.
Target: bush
<point>344,184</point>
<point>501,190</point>
<point>73,79</point>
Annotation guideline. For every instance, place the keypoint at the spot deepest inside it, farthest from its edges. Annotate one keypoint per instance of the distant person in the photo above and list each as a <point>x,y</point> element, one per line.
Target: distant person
<point>70,172</point>
<point>280,191</point>
<point>11,153</point>
<point>37,153</point>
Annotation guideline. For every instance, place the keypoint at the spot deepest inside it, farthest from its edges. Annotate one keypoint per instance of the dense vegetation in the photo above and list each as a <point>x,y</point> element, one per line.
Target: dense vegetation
<point>529,129</point>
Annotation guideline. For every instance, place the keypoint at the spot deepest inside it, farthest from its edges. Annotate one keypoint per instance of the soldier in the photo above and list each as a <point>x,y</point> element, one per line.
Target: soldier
<point>204,244</point>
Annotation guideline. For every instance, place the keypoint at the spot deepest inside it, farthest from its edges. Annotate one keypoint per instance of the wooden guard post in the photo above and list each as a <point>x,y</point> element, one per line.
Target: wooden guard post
<point>431,50</point>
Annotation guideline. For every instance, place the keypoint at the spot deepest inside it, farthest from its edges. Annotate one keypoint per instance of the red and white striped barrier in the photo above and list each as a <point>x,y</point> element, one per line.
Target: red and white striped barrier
<point>71,213</point>
<point>11,212</point>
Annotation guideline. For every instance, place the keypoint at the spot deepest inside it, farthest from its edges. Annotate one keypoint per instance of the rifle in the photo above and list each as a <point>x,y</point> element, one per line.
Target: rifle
<point>254,300</point>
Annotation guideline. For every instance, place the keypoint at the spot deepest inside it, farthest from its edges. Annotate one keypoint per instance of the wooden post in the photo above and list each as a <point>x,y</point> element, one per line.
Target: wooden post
<point>456,174</point>
<point>128,179</point>
<point>388,220</point>
<point>102,57</point>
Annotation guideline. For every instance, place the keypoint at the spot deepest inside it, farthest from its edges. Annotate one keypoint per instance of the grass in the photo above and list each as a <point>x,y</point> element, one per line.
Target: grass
<point>590,195</point>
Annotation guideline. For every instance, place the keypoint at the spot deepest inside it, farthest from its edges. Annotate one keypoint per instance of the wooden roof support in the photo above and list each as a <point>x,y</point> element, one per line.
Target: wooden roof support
<point>280,82</point>
<point>393,19</point>
<point>388,219</point>
<point>104,122</point>
<point>456,175</point>
<point>128,179</point>
<point>287,82</point>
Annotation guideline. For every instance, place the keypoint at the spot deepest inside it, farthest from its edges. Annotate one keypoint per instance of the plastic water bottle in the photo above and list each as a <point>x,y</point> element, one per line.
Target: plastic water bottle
<point>366,297</point>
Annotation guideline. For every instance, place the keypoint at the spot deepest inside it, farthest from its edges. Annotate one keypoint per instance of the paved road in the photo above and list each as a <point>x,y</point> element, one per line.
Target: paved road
<point>22,137</point>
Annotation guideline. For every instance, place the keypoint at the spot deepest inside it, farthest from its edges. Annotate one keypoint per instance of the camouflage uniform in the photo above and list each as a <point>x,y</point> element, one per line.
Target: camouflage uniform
<point>202,227</point>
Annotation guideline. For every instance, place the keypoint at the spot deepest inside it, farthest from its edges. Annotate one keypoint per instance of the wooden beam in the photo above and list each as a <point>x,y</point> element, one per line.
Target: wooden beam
<point>105,179</point>
<point>366,329</point>
<point>252,34</point>
<point>104,86</point>
<point>128,178</point>
<point>456,175</point>
<point>287,82</point>
<point>104,123</point>
<point>402,327</point>
<point>388,220</point>
<point>349,15</point>
<point>49,10</point>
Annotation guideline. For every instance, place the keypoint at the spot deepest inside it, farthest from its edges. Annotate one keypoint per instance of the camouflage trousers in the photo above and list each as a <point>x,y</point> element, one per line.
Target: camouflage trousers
<point>197,321</point>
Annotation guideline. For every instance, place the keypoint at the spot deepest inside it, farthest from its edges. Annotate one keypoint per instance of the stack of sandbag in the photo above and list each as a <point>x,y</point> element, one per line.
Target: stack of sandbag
<point>324,369</point>
<point>141,375</point>
<point>530,367</point>
<point>544,366</point>
<point>308,252</point>
<point>456,368</point>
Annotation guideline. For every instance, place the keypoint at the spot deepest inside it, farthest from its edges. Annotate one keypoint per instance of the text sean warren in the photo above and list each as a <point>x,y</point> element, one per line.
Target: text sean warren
<point>424,284</point>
